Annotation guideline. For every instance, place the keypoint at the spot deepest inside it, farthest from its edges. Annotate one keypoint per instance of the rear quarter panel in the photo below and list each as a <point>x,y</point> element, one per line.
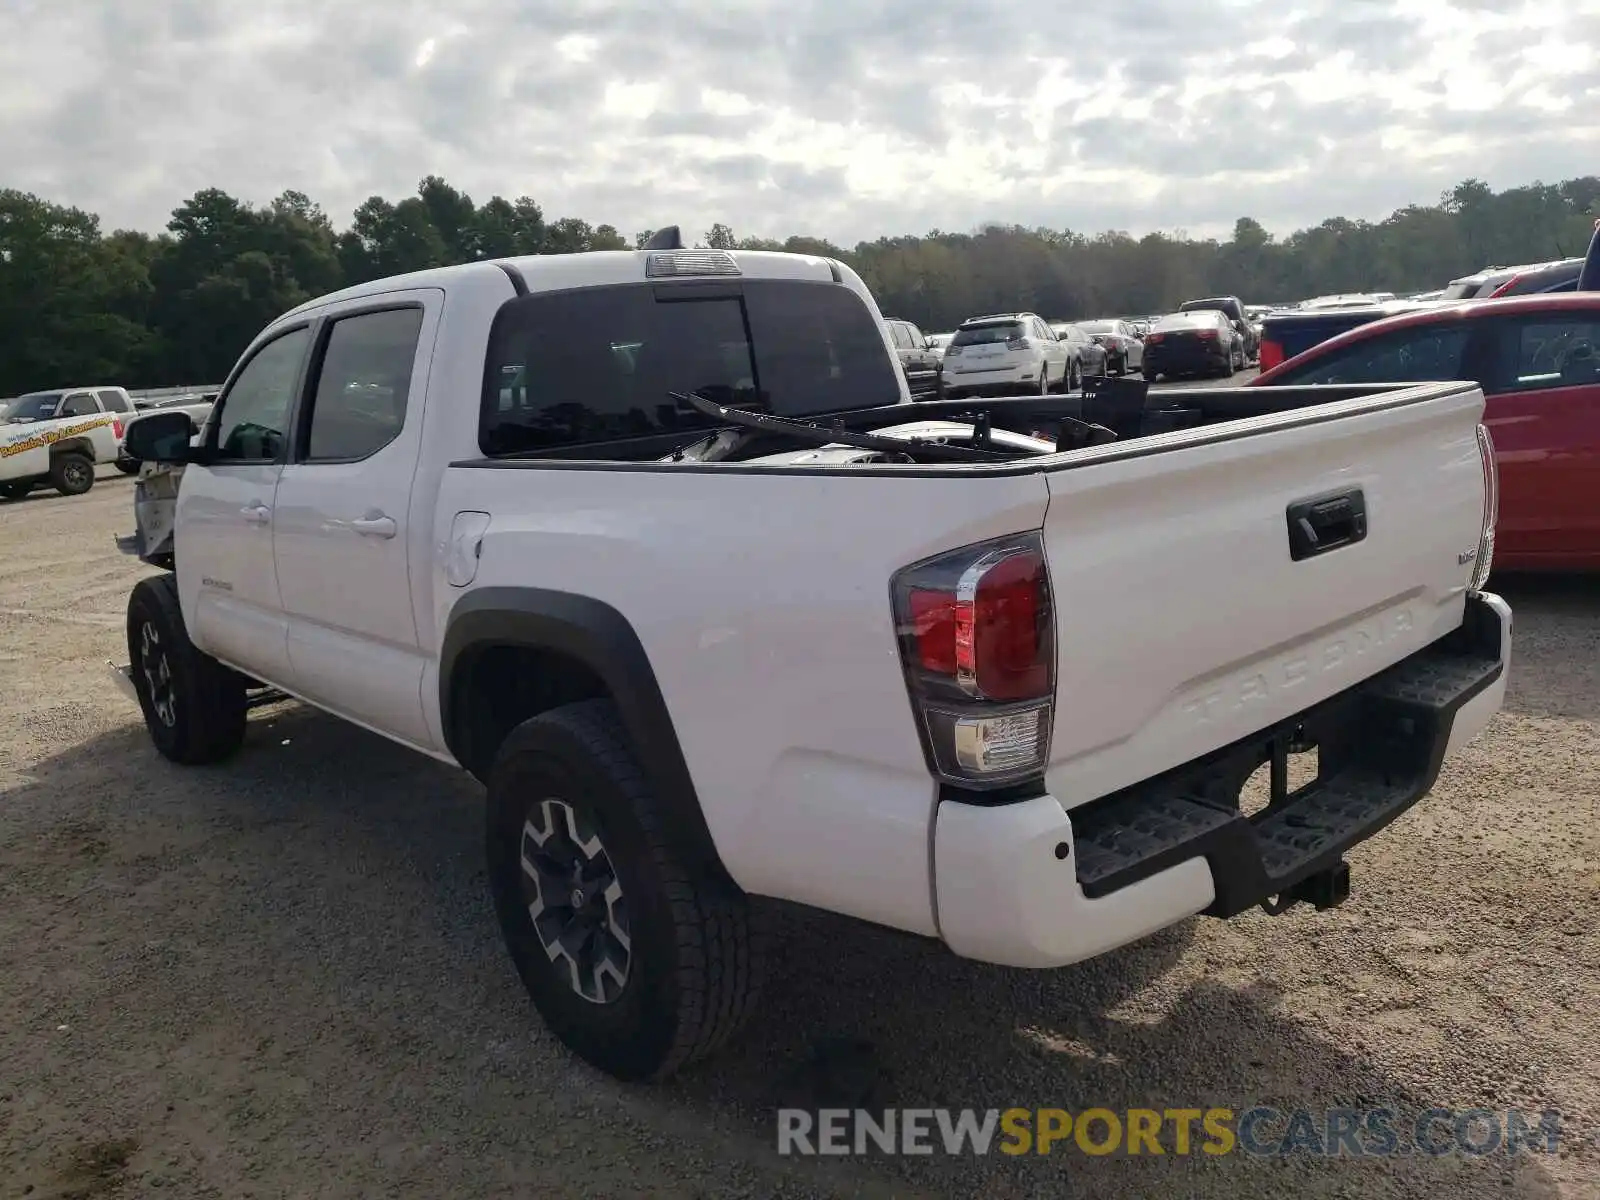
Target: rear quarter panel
<point>763,603</point>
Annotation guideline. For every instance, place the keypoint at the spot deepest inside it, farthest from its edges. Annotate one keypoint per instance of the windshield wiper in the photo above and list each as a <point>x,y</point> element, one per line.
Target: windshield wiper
<point>837,435</point>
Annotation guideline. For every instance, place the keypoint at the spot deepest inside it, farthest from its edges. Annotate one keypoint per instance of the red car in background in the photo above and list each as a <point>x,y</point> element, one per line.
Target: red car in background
<point>1537,359</point>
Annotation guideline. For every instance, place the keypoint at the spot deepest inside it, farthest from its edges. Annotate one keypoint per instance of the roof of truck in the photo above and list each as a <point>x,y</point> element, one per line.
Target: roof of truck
<point>554,272</point>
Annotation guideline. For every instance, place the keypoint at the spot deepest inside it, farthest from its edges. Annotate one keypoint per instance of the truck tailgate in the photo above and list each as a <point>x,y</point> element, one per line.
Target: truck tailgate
<point>1185,623</point>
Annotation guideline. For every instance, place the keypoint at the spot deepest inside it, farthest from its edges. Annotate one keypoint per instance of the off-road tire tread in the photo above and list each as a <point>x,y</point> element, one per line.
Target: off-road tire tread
<point>212,710</point>
<point>723,942</point>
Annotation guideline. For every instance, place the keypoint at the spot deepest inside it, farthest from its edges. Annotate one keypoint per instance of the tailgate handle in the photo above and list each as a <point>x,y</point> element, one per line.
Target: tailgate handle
<point>1325,523</point>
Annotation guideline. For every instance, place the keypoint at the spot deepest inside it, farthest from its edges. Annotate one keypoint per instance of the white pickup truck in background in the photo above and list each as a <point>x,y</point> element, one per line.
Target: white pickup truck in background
<point>57,437</point>
<point>655,545</point>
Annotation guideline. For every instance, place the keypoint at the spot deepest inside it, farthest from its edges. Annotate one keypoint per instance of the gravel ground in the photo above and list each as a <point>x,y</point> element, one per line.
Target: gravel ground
<point>282,977</point>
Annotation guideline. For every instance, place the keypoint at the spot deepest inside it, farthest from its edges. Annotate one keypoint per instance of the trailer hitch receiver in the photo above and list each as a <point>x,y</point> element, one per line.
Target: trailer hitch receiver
<point>1326,889</point>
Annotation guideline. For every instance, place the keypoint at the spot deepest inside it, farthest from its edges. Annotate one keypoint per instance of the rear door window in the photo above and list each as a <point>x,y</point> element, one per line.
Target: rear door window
<point>80,404</point>
<point>1548,351</point>
<point>359,405</point>
<point>596,365</point>
<point>112,401</point>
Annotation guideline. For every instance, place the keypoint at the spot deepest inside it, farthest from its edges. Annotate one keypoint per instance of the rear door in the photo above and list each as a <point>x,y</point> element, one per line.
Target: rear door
<point>343,535</point>
<point>1542,378</point>
<point>1054,353</point>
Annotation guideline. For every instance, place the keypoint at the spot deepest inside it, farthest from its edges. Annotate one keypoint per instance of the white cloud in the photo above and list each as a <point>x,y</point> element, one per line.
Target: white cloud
<point>850,121</point>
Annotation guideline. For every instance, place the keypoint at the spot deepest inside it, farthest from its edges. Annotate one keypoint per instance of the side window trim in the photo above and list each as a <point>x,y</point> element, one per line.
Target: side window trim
<point>303,410</point>
<point>214,420</point>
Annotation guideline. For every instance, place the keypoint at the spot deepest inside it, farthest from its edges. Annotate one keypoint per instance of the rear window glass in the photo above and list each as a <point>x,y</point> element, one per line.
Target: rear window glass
<point>595,365</point>
<point>1099,327</point>
<point>986,335</point>
<point>1462,289</point>
<point>1178,322</point>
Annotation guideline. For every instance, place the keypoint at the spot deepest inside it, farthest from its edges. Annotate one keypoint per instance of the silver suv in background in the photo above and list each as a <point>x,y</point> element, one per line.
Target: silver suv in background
<point>1005,354</point>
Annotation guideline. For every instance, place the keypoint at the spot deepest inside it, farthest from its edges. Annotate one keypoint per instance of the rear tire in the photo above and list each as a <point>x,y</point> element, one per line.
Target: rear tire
<point>1074,377</point>
<point>194,707</point>
<point>71,474</point>
<point>653,963</point>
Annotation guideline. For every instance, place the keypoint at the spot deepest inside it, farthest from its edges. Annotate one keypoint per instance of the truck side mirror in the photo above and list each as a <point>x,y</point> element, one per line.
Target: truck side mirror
<point>162,437</point>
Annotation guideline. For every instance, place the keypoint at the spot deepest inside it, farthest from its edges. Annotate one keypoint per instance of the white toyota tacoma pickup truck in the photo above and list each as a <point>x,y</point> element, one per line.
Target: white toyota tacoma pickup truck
<point>654,544</point>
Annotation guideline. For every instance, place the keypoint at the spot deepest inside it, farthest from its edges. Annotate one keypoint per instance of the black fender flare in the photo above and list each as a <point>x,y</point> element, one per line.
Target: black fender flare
<point>596,635</point>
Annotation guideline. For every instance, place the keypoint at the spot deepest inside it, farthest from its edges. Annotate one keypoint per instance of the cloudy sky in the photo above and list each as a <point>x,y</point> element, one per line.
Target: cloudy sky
<point>847,119</point>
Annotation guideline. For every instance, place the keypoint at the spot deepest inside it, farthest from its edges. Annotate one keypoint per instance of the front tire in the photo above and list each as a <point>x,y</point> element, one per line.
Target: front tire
<point>194,707</point>
<point>638,961</point>
<point>71,474</point>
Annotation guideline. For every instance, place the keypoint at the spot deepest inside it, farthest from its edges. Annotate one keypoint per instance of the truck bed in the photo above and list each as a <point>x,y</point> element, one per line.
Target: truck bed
<point>1184,622</point>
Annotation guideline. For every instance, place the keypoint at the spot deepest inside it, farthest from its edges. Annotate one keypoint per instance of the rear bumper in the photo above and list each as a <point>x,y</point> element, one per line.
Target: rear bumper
<point>1197,359</point>
<point>1031,885</point>
<point>1024,377</point>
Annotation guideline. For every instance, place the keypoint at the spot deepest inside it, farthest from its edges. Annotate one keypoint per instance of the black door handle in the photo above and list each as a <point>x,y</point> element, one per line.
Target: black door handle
<point>1323,523</point>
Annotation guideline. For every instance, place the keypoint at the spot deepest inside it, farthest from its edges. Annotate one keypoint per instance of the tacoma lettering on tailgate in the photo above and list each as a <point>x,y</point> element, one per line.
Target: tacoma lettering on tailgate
<point>1286,673</point>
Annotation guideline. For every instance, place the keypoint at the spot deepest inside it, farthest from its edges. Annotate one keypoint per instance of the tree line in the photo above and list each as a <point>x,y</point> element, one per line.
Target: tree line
<point>80,305</point>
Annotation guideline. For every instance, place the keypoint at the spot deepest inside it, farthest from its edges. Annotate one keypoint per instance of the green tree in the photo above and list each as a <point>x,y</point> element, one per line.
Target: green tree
<point>77,304</point>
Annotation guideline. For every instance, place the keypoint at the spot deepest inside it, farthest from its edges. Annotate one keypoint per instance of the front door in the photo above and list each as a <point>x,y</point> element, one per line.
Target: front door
<point>227,582</point>
<point>342,534</point>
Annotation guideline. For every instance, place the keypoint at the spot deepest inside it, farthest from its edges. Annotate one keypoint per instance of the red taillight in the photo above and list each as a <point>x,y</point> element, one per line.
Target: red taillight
<point>1153,337</point>
<point>990,634</point>
<point>1271,354</point>
<point>116,427</point>
<point>1207,335</point>
<point>977,635</point>
<point>933,625</point>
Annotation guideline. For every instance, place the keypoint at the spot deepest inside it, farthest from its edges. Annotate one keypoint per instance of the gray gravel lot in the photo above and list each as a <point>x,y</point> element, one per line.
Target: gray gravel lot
<point>282,977</point>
